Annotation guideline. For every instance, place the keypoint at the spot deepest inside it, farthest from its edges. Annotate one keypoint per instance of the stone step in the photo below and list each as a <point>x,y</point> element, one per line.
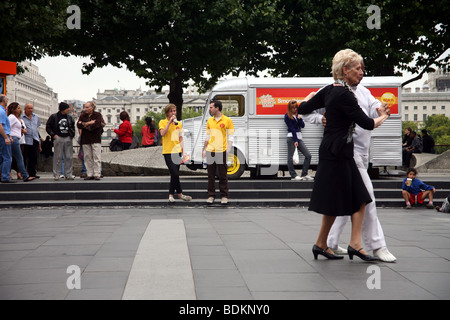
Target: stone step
<point>153,192</point>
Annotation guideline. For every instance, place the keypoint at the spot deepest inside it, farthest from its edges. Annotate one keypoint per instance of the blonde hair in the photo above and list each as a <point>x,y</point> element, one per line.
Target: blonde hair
<point>169,107</point>
<point>344,58</point>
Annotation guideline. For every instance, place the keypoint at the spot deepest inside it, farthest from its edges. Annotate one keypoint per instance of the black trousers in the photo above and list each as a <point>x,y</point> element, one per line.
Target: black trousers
<point>30,157</point>
<point>173,161</point>
<point>217,161</point>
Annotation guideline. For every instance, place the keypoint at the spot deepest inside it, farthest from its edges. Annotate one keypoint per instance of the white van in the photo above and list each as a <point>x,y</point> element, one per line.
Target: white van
<point>257,107</point>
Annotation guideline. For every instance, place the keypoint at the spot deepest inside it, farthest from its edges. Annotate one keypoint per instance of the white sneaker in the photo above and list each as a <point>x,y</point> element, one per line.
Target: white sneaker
<point>71,177</point>
<point>297,178</point>
<point>186,198</point>
<point>210,200</point>
<point>340,251</point>
<point>307,178</point>
<point>224,200</point>
<point>384,255</point>
<point>171,199</point>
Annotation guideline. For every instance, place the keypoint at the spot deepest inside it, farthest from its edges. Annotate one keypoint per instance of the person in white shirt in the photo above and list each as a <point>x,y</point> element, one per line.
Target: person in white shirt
<point>17,130</point>
<point>372,232</point>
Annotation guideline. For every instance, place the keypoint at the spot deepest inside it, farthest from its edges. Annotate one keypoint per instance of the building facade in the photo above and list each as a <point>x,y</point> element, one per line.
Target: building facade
<point>137,104</point>
<point>31,87</point>
<point>432,99</point>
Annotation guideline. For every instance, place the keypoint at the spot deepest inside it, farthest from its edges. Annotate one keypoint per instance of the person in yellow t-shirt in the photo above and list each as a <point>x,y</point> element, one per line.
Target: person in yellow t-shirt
<point>172,142</point>
<point>219,132</point>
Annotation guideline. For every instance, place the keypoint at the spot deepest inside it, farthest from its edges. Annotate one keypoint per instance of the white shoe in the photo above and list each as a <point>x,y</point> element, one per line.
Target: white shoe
<point>307,178</point>
<point>186,198</point>
<point>171,199</point>
<point>210,200</point>
<point>339,251</point>
<point>71,177</point>
<point>384,255</point>
<point>224,200</point>
<point>297,178</point>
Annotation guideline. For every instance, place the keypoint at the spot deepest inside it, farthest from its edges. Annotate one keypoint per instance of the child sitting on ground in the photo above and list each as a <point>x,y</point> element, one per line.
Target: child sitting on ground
<point>413,189</point>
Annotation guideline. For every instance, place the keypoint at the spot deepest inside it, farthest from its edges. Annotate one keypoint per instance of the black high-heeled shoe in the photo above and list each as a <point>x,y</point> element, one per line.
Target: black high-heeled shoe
<point>366,257</point>
<point>316,251</point>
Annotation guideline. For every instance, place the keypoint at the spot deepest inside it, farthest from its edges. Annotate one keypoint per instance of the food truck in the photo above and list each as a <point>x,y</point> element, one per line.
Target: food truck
<point>257,107</point>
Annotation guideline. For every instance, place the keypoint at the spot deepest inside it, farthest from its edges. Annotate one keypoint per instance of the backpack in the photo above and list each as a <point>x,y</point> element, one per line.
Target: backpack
<point>115,145</point>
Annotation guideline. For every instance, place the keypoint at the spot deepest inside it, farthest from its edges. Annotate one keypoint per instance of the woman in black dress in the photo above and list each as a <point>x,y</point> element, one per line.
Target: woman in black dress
<point>338,187</point>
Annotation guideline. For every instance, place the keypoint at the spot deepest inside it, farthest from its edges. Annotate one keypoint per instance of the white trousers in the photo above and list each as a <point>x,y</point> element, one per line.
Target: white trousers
<point>92,159</point>
<point>372,233</point>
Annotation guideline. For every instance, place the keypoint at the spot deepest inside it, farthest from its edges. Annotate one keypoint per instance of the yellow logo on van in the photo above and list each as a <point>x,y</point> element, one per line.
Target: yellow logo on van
<point>389,98</point>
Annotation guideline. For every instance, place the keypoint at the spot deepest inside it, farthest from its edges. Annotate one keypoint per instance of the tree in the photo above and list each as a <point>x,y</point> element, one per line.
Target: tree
<point>437,126</point>
<point>31,27</point>
<point>412,37</point>
<point>172,42</point>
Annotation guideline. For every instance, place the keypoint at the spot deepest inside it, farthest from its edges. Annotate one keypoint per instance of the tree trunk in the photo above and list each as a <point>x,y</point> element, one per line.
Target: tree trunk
<point>176,95</point>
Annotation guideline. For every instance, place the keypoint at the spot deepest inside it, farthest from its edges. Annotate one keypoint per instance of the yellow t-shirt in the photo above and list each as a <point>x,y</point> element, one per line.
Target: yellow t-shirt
<point>171,140</point>
<point>218,131</point>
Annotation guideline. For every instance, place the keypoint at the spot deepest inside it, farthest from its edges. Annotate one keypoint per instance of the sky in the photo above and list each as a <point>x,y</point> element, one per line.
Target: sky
<point>63,75</point>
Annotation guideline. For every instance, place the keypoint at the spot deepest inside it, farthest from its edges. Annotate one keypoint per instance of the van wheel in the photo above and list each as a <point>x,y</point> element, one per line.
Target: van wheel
<point>238,165</point>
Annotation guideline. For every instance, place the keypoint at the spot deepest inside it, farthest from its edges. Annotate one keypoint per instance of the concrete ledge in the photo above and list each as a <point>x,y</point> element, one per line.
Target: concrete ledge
<point>141,161</point>
<point>431,163</point>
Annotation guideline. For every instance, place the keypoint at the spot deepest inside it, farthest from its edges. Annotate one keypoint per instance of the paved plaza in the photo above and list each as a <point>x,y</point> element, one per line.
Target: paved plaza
<point>212,253</point>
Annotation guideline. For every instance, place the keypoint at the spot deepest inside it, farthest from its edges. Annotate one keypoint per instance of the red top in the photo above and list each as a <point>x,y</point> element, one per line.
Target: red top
<point>148,138</point>
<point>125,132</point>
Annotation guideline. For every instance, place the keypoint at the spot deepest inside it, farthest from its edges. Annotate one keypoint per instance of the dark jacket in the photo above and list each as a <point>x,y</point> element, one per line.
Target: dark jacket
<point>342,109</point>
<point>93,133</point>
<point>428,143</point>
<point>52,126</point>
<point>294,125</point>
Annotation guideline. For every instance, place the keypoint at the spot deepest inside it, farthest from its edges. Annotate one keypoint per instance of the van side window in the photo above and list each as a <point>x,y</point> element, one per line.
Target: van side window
<point>232,106</point>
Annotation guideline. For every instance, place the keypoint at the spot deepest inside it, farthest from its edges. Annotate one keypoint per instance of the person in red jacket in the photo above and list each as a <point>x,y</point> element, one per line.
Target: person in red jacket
<point>125,131</point>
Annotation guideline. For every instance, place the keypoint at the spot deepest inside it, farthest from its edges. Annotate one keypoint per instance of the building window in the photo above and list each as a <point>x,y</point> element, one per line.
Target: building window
<point>443,108</point>
<point>424,117</point>
<point>406,107</point>
<point>138,109</point>
<point>406,117</point>
<point>424,107</point>
<point>415,117</point>
<point>415,107</point>
<point>433,107</point>
<point>138,118</point>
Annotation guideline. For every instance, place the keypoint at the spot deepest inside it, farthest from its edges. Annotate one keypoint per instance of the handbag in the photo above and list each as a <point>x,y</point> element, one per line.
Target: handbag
<point>295,157</point>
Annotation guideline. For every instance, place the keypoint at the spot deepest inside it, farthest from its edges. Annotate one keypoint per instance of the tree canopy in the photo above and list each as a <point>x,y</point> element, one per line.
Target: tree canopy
<point>173,42</point>
<point>412,36</point>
